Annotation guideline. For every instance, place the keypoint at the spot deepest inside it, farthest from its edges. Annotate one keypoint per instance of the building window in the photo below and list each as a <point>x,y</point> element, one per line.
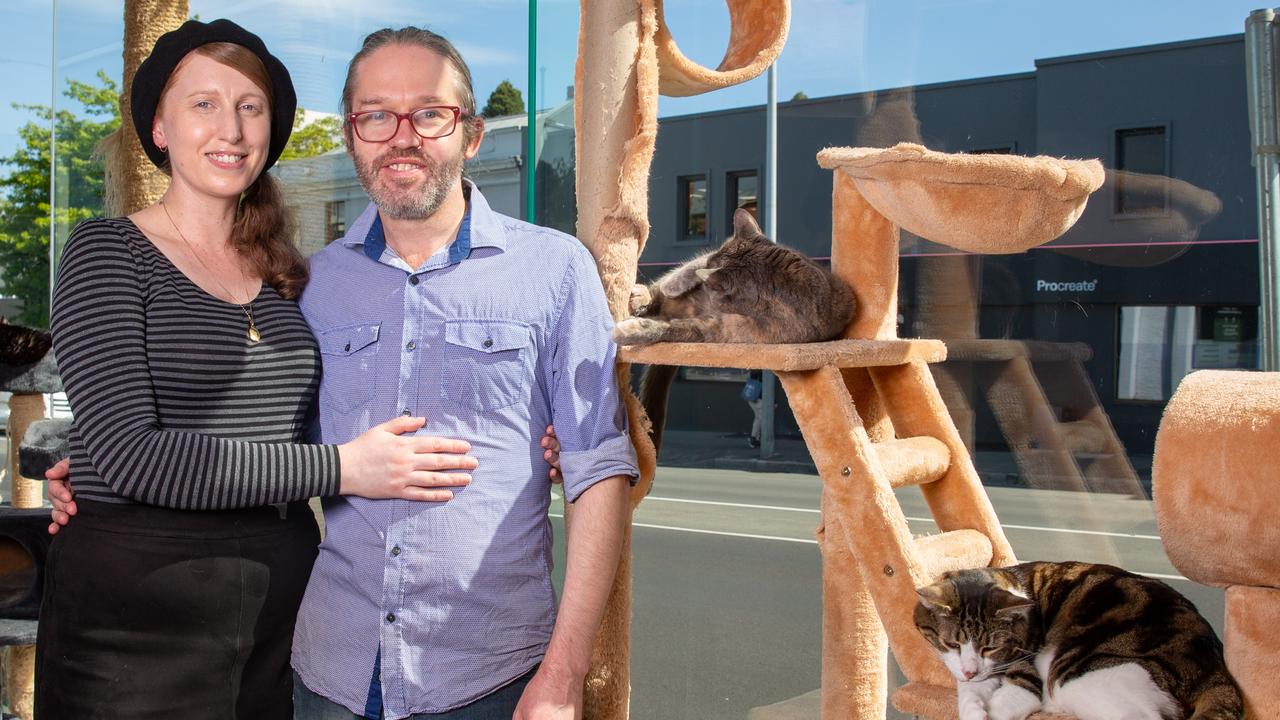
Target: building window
<point>743,192</point>
<point>693,207</point>
<point>335,220</point>
<point>1159,345</point>
<point>1141,152</point>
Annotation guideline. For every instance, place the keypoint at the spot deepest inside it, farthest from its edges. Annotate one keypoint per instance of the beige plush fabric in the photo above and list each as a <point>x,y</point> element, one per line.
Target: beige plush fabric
<point>1215,478</point>
<point>757,32</point>
<point>1214,483</point>
<point>810,356</point>
<point>978,203</point>
<point>616,85</point>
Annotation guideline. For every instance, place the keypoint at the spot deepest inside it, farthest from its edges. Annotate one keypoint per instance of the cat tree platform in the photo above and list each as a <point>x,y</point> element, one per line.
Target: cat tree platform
<point>789,357</point>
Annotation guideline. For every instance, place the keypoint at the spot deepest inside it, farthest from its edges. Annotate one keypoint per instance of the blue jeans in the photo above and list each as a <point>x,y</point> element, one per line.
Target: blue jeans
<point>497,705</point>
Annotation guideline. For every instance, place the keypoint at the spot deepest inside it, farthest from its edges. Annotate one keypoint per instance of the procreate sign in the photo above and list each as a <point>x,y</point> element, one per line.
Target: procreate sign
<point>1054,286</point>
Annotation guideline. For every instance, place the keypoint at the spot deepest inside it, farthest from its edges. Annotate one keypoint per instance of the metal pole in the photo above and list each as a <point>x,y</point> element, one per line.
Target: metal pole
<point>531,135</point>
<point>1260,58</point>
<point>771,229</point>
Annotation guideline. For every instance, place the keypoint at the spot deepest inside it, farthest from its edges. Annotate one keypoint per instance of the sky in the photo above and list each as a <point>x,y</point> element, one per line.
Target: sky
<point>834,46</point>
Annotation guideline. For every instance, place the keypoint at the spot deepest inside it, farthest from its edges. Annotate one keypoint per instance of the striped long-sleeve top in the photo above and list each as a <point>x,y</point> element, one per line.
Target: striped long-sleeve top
<point>173,405</point>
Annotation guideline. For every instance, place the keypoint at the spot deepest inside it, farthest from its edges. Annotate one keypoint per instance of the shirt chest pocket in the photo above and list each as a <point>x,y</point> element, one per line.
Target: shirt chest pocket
<point>487,364</point>
<point>350,375</point>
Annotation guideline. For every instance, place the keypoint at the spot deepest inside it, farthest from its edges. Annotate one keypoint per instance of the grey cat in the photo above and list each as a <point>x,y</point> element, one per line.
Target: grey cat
<point>748,290</point>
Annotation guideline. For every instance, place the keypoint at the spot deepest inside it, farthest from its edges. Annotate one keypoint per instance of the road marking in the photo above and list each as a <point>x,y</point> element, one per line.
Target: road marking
<point>750,536</point>
<point>1131,536</point>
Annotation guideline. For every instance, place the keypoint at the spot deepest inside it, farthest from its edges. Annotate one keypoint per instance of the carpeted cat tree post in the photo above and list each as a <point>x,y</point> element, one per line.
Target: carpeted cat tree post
<point>1214,483</point>
<point>626,57</point>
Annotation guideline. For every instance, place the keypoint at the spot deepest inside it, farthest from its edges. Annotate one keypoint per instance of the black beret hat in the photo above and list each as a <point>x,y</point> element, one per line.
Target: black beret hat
<point>169,51</point>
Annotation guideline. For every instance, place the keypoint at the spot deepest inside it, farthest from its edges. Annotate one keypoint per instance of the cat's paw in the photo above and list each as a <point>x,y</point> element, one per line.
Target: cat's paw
<point>641,299</point>
<point>972,697</point>
<point>638,331</point>
<point>1011,702</point>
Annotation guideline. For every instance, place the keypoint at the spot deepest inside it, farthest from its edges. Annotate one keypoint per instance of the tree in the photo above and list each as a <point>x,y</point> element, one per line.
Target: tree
<point>25,209</point>
<point>315,138</point>
<point>800,95</point>
<point>504,100</point>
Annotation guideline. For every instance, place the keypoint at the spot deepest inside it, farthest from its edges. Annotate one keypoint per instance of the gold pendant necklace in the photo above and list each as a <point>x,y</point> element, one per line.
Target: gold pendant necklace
<point>255,337</point>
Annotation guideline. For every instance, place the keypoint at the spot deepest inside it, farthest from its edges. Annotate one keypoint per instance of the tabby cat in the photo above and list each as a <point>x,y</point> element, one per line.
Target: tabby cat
<point>749,290</point>
<point>1087,640</point>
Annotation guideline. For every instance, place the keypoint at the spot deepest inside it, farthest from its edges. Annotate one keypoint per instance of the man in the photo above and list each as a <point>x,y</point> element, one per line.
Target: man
<point>435,305</point>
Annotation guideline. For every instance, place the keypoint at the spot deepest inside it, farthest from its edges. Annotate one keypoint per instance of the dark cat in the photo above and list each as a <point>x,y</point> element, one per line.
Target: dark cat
<point>749,290</point>
<point>1088,640</point>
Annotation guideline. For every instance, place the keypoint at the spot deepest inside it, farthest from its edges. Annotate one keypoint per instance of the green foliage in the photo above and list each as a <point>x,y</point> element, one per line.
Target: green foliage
<point>504,100</point>
<point>315,138</point>
<point>800,95</point>
<point>24,189</point>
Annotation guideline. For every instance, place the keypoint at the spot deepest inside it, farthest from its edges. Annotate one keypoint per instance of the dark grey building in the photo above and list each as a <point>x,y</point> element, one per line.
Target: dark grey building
<point>1158,277</point>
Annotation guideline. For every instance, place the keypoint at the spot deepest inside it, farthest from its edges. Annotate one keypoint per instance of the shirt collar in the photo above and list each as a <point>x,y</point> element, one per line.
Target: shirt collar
<point>481,227</point>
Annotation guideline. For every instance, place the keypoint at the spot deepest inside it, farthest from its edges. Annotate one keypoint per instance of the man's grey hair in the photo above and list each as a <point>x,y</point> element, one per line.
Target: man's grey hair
<point>416,37</point>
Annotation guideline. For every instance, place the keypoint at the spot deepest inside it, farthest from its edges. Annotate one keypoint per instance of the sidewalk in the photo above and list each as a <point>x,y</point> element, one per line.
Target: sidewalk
<point>695,449</point>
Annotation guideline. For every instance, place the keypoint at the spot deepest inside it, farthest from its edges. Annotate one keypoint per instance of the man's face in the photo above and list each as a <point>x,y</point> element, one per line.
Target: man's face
<point>409,176</point>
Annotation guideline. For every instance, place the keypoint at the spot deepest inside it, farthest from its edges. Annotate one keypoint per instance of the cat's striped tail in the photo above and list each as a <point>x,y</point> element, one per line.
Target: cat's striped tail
<point>655,384</point>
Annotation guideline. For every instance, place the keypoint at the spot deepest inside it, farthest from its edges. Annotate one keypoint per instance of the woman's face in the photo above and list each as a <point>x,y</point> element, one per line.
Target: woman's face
<point>216,126</point>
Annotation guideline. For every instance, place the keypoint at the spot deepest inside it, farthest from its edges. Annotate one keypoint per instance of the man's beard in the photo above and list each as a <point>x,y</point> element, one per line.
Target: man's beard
<point>410,202</point>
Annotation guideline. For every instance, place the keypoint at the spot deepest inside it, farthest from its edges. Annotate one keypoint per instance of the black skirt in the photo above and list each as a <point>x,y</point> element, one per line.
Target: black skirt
<point>156,613</point>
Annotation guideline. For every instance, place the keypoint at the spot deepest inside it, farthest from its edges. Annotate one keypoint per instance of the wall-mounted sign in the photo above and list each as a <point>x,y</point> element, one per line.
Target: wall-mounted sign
<point>1059,286</point>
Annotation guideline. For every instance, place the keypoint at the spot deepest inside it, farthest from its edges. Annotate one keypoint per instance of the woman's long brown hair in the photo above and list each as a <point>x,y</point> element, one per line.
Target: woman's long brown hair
<point>264,227</point>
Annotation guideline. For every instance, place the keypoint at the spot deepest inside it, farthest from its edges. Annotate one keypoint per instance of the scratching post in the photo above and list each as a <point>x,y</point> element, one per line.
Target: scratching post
<point>626,56</point>
<point>132,181</point>
<point>1214,484</point>
<point>20,660</point>
<point>28,370</point>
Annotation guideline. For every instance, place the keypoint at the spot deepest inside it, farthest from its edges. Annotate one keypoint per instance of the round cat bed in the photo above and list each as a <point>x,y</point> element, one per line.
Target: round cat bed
<point>757,32</point>
<point>977,203</point>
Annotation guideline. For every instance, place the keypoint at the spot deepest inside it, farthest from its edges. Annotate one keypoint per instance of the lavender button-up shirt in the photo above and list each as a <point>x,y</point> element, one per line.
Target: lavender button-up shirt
<point>495,337</point>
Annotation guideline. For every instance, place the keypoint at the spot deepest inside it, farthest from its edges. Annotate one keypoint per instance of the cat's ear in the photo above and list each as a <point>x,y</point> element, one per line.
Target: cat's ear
<point>710,278</point>
<point>935,597</point>
<point>745,226</point>
<point>1009,604</point>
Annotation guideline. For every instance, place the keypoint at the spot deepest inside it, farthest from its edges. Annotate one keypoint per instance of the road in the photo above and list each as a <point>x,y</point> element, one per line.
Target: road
<point>727,580</point>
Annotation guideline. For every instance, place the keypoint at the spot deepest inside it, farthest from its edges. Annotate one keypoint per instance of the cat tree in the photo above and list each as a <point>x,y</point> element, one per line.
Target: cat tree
<point>867,404</point>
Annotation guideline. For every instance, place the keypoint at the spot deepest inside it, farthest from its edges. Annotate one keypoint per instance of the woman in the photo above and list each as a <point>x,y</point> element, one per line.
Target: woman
<point>190,372</point>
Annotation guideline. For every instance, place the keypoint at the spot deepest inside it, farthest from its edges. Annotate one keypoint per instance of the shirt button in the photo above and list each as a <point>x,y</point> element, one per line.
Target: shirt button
<point>410,345</point>
<point>395,550</point>
<point>488,343</point>
<point>391,617</point>
<point>413,279</point>
<point>405,412</point>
